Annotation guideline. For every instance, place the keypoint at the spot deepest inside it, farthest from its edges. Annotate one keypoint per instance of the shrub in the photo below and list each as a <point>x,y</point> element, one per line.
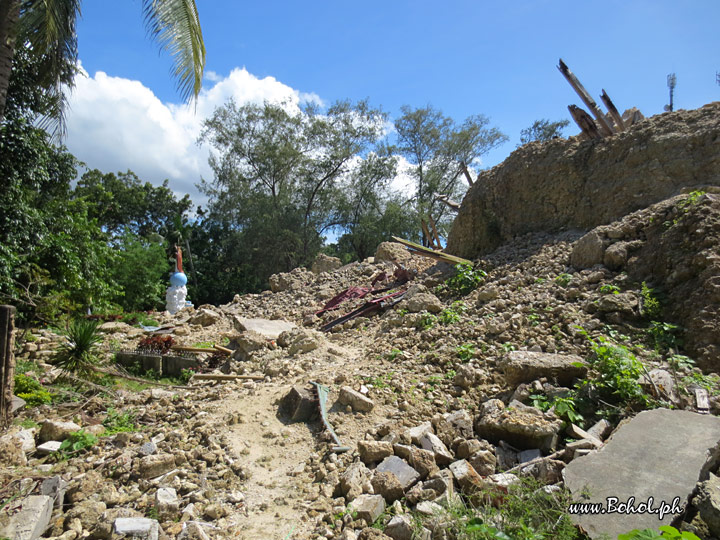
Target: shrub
<point>31,390</point>
<point>466,280</point>
<point>79,354</point>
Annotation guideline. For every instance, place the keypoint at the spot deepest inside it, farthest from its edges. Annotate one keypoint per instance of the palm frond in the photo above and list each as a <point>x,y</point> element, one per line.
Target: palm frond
<point>175,25</point>
<point>79,354</point>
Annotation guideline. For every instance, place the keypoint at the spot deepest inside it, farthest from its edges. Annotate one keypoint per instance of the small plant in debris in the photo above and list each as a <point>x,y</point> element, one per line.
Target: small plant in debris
<point>650,305</point>
<point>664,532</point>
<point>508,347</point>
<point>565,407</point>
<point>156,343</point>
<point>80,353</point>
<point>691,199</point>
<point>75,444</point>
<point>186,375</point>
<point>466,280</point>
<point>427,321</point>
<point>117,422</point>
<point>710,382</point>
<point>451,315</point>
<point>563,279</point>
<point>664,335</point>
<point>31,391</point>
<point>465,351</point>
<point>609,289</point>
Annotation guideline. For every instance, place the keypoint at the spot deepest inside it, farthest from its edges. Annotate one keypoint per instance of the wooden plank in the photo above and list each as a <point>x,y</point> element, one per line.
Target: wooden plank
<point>223,349</point>
<point>605,128</point>
<point>613,110</point>
<point>701,401</point>
<point>584,121</point>
<point>7,362</point>
<point>466,173</point>
<point>210,350</point>
<point>427,252</point>
<point>217,377</point>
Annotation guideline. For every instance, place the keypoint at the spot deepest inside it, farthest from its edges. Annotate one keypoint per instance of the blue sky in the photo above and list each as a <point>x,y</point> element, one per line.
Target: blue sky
<point>463,57</point>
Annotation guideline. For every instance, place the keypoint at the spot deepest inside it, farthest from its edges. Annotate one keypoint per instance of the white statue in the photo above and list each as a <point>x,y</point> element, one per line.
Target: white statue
<point>176,292</point>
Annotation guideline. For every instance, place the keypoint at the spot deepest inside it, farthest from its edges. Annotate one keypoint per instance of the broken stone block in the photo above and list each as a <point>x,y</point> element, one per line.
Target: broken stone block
<point>484,462</point>
<point>325,263</point>
<point>155,465</point>
<point>27,439</point>
<point>467,478</point>
<point>707,501</point>
<point>400,527</point>
<point>527,366</point>
<point>423,461</point>
<point>392,251</point>
<point>416,433</point>
<point>529,455</point>
<point>144,528</point>
<point>356,400</point>
<point>11,451</point>
<point>428,508</point>
<point>450,426</point>
<point>601,429</point>
<point>421,301</point>
<point>588,251</point>
<point>387,485</point>
<point>404,472</point>
<point>660,453</point>
<point>299,405</point>
<point>503,480</point>
<point>374,451</point>
<point>302,341</point>
<point>167,503</point>
<point>268,329</point>
<point>28,518</point>
<point>54,488</point>
<point>579,433</point>
<point>205,317</point>
<point>368,507</point>
<point>352,481</point>
<point>432,443</point>
<point>48,448</point>
<point>524,428</point>
<point>467,448</point>
<point>85,485</point>
<point>443,486</point>
<point>54,430</point>
<point>193,530</point>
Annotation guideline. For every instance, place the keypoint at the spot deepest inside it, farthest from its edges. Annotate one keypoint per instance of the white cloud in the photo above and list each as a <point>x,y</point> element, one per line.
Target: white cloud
<point>115,124</point>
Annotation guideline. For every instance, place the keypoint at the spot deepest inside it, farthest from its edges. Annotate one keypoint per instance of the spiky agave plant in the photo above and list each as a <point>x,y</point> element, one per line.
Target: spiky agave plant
<point>79,353</point>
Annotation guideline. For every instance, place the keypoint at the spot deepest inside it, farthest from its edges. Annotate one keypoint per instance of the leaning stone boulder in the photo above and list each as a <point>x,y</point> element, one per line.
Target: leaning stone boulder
<point>392,251</point>
<point>588,251</point>
<point>527,366</point>
<point>520,426</point>
<point>325,263</point>
<point>291,281</point>
<point>54,430</point>
<point>659,454</point>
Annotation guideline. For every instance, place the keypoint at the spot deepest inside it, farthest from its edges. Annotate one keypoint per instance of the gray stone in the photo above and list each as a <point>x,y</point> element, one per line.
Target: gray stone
<point>368,507</point>
<point>432,443</point>
<point>27,439</point>
<point>529,455</point>
<point>55,488</point>
<point>579,433</point>
<point>54,430</point>
<point>487,293</point>
<point>527,366</point>
<point>266,328</point>
<point>616,255</point>
<point>625,303</point>
<point>155,465</point>
<point>428,508</point>
<point>193,530</point>
<point>28,518</point>
<point>588,251</point>
<point>17,403</point>
<point>356,400</point>
<point>166,502</point>
<point>299,405</point>
<point>354,479</point>
<point>453,425</point>
<point>404,472</point>
<point>522,427</point>
<point>400,527</point>
<point>325,263</point>
<point>660,453</point>
<point>417,432</point>
<point>148,449</point>
<point>600,430</point>
<point>145,528</point>
<point>467,448</point>
<point>423,461</point>
<point>707,501</point>
<point>467,478</point>
<point>47,448</point>
<point>387,485</point>
<point>374,451</point>
<point>484,462</point>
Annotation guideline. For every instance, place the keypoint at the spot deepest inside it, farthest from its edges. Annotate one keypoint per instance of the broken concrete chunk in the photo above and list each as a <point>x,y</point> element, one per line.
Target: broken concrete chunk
<point>11,451</point>
<point>356,400</point>
<point>423,461</point>
<point>374,451</point>
<point>29,518</point>
<point>579,433</point>
<point>299,405</point>
<point>325,263</point>
<point>400,527</point>
<point>145,528</point>
<point>387,485</point>
<point>484,462</point>
<point>167,503</point>
<point>352,481</point>
<point>450,426</point>
<point>205,317</point>
<point>588,251</point>
<point>527,366</point>
<point>155,465</point>
<point>428,508</point>
<point>54,488</point>
<point>601,429</point>
<point>54,430</point>
<point>48,448</point>
<point>392,251</point>
<point>266,328</point>
<point>468,479</point>
<point>660,453</point>
<point>404,472</point>
<point>432,443</point>
<point>707,501</point>
<point>520,428</point>
<point>417,432</point>
<point>369,507</point>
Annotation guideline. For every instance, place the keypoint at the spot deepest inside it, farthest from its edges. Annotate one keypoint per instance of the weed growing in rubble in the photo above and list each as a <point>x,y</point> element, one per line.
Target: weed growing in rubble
<point>610,289</point>
<point>664,532</point>
<point>563,279</point>
<point>465,351</point>
<point>650,306</point>
<point>465,281</point>
<point>77,442</point>
<point>664,335</point>
<point>30,390</point>
<point>79,354</point>
<point>116,422</point>
<point>427,321</point>
<point>451,315</point>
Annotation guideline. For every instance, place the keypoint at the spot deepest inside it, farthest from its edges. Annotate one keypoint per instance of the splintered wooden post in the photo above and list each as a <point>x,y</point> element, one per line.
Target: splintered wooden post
<point>605,128</point>
<point>467,174</point>
<point>584,121</point>
<point>613,111</point>
<point>426,232</point>
<point>7,362</point>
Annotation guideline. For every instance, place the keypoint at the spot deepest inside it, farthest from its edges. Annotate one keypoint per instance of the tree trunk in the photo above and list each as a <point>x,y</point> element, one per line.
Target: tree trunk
<point>9,18</point>
<point>7,362</point>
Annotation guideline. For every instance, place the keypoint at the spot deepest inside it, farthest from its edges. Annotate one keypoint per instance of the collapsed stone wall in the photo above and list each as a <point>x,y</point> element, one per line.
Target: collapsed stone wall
<point>573,184</point>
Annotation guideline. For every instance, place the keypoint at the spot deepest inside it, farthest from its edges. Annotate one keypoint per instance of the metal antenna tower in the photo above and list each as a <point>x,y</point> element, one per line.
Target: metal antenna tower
<point>671,82</point>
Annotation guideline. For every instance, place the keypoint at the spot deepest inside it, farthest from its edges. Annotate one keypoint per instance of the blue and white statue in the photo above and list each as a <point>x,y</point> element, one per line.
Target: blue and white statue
<point>176,292</point>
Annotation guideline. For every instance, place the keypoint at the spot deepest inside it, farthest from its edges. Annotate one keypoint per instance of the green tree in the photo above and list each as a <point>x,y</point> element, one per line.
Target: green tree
<point>438,149</point>
<point>48,26</point>
<point>141,272</point>
<point>543,130</point>
<point>279,175</point>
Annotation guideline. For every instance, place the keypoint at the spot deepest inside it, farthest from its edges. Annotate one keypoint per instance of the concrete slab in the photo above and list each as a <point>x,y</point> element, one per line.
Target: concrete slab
<point>265,327</point>
<point>659,454</point>
<point>404,472</point>
<point>29,518</point>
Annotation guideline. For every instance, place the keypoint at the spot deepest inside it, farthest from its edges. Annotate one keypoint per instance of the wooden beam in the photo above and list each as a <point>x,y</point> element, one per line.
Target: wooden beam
<point>211,350</point>
<point>585,122</point>
<point>426,232</point>
<point>605,128</point>
<point>616,116</point>
<point>449,202</point>
<point>435,233</point>
<point>218,377</point>
<point>7,362</point>
<point>427,252</point>
<point>466,173</point>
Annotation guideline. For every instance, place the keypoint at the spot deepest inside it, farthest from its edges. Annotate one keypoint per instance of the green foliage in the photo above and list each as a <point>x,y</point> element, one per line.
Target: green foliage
<point>691,199</point>
<point>116,422</point>
<point>664,532</point>
<point>427,321</point>
<point>543,130</point>
<point>650,306</point>
<point>31,390</point>
<point>710,382</point>
<point>140,272</point>
<point>452,314</point>
<point>563,279</point>
<point>565,407</point>
<point>465,351</point>
<point>664,335</point>
<point>609,289</point>
<point>79,354</point>
<point>76,443</point>
<point>466,280</point>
